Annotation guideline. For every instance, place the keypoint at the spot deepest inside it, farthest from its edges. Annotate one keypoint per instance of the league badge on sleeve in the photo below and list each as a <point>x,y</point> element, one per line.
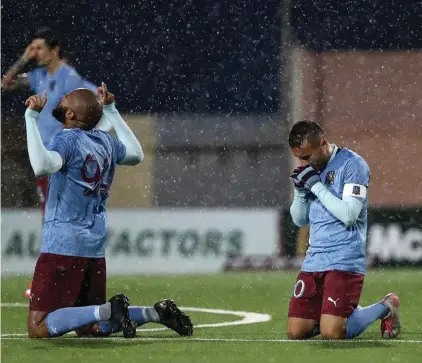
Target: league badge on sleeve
<point>329,179</point>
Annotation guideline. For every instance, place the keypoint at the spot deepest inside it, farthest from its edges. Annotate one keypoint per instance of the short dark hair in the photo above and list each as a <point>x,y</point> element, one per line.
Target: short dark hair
<point>51,38</point>
<point>305,130</point>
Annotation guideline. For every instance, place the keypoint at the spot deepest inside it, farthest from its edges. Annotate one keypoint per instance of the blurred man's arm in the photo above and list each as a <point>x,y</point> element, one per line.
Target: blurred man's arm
<point>19,82</point>
<point>12,79</point>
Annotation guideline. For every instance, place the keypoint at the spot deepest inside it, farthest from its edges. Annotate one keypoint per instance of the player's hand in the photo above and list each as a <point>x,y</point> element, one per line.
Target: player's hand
<point>7,81</point>
<point>299,185</point>
<point>308,177</point>
<point>36,103</point>
<point>106,97</point>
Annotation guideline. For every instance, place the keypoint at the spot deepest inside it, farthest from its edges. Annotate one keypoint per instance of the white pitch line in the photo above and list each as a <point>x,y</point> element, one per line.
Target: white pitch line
<point>248,318</point>
<point>230,340</point>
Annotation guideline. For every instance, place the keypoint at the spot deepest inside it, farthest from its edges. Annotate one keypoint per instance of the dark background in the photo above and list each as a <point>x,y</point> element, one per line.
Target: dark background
<point>219,57</point>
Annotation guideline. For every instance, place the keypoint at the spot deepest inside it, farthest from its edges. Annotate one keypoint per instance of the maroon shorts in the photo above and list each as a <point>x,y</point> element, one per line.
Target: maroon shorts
<point>66,281</point>
<point>331,292</point>
<point>42,191</point>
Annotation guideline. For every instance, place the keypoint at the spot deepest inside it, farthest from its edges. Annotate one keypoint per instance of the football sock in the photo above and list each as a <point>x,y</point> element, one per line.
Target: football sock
<point>62,321</point>
<point>362,318</point>
<point>105,311</point>
<point>140,315</point>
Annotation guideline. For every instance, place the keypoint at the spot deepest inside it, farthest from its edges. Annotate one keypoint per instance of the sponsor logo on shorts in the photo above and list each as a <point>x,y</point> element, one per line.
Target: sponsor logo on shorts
<point>333,301</point>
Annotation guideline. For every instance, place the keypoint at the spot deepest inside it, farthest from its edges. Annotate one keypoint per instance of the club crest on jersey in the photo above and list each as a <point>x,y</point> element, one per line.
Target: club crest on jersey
<point>329,179</point>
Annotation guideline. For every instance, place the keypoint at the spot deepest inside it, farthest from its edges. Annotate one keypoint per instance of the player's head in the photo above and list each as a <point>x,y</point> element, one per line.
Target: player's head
<point>48,45</point>
<point>80,108</point>
<point>308,143</point>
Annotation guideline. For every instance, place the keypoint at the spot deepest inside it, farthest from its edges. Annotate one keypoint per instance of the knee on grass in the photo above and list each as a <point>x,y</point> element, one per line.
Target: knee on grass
<point>37,326</point>
<point>38,331</point>
<point>295,332</point>
<point>332,327</point>
<point>331,332</point>
<point>300,328</point>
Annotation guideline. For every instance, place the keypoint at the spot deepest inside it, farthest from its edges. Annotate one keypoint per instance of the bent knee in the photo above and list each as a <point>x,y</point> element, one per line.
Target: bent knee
<point>37,332</point>
<point>332,333</point>
<point>37,327</point>
<point>297,331</point>
<point>333,327</point>
<point>295,334</point>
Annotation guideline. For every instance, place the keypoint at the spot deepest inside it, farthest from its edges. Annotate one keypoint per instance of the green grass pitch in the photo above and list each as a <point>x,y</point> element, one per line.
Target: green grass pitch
<point>265,293</point>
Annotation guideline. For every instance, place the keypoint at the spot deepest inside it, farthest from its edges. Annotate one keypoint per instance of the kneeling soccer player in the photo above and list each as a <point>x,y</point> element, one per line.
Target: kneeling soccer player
<point>331,196</point>
<point>69,285</point>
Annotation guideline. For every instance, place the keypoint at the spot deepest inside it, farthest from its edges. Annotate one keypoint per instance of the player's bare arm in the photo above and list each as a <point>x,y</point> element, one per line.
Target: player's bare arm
<point>43,161</point>
<point>13,79</point>
<point>134,152</point>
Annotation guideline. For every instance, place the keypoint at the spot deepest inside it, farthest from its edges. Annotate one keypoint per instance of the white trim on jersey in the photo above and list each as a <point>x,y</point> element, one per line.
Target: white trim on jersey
<point>354,190</point>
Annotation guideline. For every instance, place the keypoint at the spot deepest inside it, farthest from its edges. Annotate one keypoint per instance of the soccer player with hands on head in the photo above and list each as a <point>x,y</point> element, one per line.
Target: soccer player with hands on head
<point>69,284</point>
<point>330,195</point>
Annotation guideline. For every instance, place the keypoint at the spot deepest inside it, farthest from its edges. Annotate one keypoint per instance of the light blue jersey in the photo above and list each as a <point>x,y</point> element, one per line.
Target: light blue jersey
<point>62,82</point>
<point>75,220</point>
<point>333,245</point>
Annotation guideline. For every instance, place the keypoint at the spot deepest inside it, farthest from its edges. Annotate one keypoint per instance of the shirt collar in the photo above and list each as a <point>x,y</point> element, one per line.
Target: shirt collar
<point>333,155</point>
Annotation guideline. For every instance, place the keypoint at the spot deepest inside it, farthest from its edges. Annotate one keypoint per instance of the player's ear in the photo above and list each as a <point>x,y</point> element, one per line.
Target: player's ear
<point>70,114</point>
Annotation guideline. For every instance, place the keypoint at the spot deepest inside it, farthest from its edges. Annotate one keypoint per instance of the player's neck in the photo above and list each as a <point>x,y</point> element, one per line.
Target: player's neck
<point>54,65</point>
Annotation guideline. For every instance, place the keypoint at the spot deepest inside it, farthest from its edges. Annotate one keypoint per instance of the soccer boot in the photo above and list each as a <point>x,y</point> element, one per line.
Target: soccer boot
<point>172,317</point>
<point>390,324</point>
<point>120,315</point>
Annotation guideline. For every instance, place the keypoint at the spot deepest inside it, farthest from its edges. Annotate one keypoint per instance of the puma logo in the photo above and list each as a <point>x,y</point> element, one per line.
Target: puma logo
<point>333,301</point>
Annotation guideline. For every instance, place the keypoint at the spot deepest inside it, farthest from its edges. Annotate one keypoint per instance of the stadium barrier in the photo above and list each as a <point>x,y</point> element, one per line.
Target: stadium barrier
<point>177,241</point>
<point>155,241</point>
<point>394,237</point>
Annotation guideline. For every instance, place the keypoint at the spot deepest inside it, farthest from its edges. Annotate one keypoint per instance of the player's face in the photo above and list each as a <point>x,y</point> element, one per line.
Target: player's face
<point>317,157</point>
<point>44,54</point>
<point>59,112</point>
